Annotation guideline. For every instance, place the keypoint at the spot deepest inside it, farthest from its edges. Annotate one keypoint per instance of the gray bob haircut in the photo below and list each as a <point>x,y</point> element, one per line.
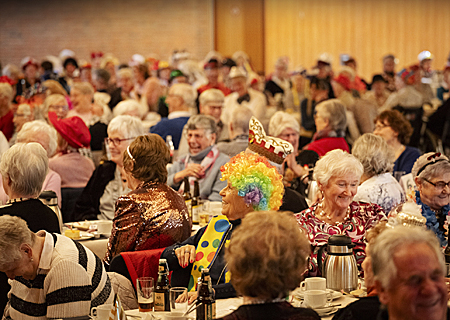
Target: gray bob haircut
<point>186,92</point>
<point>388,242</point>
<point>201,121</point>
<point>211,96</point>
<point>336,163</point>
<point>430,165</point>
<point>335,112</point>
<point>374,153</point>
<point>282,120</point>
<point>13,233</point>
<point>36,128</point>
<point>128,126</point>
<point>26,165</point>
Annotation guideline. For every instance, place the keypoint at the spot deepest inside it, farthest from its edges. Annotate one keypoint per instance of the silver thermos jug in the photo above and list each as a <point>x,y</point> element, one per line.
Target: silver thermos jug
<point>339,266</point>
<point>50,199</point>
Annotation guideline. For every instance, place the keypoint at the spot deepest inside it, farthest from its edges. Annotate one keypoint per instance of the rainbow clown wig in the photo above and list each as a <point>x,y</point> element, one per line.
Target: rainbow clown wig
<point>256,180</point>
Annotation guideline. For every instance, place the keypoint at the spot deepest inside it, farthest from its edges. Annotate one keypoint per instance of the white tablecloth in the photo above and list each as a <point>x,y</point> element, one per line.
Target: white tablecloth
<point>227,306</point>
<point>97,246</point>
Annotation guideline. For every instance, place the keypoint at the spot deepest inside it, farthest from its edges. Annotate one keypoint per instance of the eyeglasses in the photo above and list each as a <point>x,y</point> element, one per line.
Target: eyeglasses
<point>116,141</point>
<point>439,185</point>
<point>382,126</point>
<point>58,107</point>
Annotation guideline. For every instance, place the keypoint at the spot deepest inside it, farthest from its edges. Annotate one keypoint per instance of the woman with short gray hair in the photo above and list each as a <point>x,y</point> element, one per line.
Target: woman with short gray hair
<point>377,183</point>
<point>203,161</point>
<point>331,122</point>
<point>338,174</point>
<point>105,185</point>
<point>23,168</point>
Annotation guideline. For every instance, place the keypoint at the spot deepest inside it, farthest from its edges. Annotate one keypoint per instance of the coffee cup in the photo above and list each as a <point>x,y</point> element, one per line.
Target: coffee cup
<point>104,227</point>
<point>317,298</point>
<point>101,312</point>
<point>313,283</point>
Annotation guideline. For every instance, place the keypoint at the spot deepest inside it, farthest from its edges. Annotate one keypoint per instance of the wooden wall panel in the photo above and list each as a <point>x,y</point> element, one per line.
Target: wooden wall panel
<point>366,29</point>
<point>239,26</point>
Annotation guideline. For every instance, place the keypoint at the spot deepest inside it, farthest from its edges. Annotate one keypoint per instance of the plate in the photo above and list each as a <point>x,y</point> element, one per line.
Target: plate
<point>334,294</point>
<point>82,225</point>
<point>326,311</point>
<point>85,236</point>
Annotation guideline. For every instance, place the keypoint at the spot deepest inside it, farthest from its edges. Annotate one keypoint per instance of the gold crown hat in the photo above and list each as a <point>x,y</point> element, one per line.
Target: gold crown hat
<point>274,149</point>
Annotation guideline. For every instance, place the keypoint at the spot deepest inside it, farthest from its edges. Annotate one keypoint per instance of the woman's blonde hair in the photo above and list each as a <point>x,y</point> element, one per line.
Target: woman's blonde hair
<point>267,255</point>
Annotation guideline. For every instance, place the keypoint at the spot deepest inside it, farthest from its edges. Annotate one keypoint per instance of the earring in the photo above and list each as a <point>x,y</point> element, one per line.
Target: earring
<point>31,259</point>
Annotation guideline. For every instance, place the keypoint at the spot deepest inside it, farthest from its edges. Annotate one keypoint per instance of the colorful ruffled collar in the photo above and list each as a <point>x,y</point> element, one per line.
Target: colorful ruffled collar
<point>432,222</point>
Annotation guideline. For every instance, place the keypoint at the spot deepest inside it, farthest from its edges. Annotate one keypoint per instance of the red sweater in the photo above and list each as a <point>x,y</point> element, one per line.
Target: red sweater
<point>322,146</point>
<point>7,124</point>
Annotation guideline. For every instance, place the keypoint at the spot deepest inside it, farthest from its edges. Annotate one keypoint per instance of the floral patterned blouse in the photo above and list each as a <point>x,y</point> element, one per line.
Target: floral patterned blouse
<point>363,216</point>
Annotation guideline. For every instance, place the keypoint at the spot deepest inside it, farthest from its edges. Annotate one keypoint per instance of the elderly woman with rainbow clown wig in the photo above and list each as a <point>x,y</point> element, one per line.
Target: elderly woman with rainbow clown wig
<point>338,175</point>
<point>253,184</point>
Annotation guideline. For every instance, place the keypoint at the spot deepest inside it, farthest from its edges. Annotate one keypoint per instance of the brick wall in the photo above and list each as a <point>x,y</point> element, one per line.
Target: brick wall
<point>121,27</point>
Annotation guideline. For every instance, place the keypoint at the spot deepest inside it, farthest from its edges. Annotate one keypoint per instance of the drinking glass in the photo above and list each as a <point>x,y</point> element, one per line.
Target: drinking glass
<point>178,300</point>
<point>144,288</point>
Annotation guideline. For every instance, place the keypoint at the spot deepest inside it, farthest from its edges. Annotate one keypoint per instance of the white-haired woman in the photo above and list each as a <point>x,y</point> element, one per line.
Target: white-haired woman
<point>338,175</point>
<point>377,183</point>
<point>51,275</point>
<point>23,168</point>
<point>331,122</point>
<point>129,107</point>
<point>6,114</point>
<point>431,173</point>
<point>105,185</point>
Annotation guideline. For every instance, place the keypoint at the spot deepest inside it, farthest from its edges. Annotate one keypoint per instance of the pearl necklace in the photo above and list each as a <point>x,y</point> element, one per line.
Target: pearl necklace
<point>321,212</point>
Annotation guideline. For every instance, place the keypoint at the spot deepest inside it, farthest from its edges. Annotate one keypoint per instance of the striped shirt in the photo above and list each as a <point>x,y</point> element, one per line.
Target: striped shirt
<point>70,281</point>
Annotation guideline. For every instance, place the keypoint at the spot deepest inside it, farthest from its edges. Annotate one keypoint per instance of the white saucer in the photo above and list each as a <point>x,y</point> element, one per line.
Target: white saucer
<point>326,311</point>
<point>299,294</point>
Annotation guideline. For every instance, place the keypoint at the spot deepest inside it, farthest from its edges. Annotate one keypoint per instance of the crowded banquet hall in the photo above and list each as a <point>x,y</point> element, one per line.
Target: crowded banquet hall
<point>225,159</point>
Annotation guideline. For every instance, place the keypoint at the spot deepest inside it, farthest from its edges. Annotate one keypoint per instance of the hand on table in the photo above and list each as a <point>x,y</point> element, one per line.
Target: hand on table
<point>185,255</point>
